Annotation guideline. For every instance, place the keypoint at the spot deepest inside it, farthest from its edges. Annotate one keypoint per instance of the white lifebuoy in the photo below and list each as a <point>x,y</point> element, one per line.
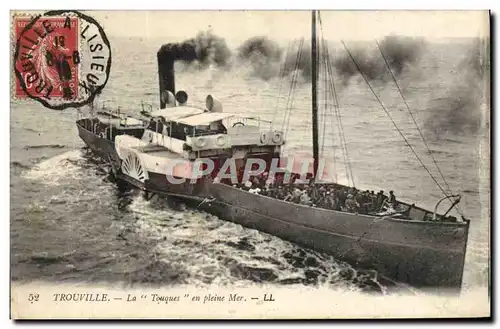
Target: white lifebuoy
<point>200,142</point>
<point>263,138</point>
<point>221,140</point>
<point>277,137</point>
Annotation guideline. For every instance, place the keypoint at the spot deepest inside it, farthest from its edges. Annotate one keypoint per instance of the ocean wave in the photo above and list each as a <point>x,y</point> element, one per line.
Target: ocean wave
<point>52,146</point>
<point>56,169</point>
<point>216,251</point>
<point>17,164</point>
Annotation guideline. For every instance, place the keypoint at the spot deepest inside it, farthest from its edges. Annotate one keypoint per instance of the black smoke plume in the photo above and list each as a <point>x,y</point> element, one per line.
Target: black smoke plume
<point>210,50</point>
<point>460,109</point>
<point>346,68</point>
<point>263,55</point>
<point>399,52</point>
<point>268,60</point>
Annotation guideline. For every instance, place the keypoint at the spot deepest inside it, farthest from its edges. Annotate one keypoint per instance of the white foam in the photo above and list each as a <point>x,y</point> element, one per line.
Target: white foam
<point>203,237</point>
<point>58,167</point>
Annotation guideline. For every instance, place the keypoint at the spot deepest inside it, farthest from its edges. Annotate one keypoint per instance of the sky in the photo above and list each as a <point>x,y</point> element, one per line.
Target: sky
<point>337,25</point>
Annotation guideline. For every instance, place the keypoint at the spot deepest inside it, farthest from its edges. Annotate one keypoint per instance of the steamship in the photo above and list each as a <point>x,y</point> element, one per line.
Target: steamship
<point>422,248</point>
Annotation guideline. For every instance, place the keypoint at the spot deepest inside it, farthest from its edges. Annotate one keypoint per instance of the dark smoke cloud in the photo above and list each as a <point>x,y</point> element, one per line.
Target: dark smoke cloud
<point>400,53</point>
<point>263,55</point>
<point>459,110</point>
<point>210,50</point>
<point>267,59</point>
<point>373,68</point>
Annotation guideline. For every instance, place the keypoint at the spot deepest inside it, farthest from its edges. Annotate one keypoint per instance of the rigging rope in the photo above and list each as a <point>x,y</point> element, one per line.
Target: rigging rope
<point>293,85</point>
<point>325,73</point>
<point>347,160</point>
<point>415,122</point>
<point>331,122</point>
<point>392,120</point>
<point>336,108</point>
<point>338,115</point>
<point>324,112</point>
<point>339,125</point>
<point>282,78</point>
<point>291,88</point>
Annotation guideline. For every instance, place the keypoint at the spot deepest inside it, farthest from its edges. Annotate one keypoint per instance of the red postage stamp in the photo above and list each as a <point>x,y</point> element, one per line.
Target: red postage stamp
<point>62,58</point>
<point>48,56</point>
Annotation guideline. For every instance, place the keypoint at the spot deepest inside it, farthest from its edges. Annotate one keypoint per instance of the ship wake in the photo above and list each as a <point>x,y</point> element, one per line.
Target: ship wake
<point>217,252</point>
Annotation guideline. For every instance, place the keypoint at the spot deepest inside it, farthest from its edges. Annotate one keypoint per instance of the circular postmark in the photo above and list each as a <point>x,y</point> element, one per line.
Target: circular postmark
<point>62,58</point>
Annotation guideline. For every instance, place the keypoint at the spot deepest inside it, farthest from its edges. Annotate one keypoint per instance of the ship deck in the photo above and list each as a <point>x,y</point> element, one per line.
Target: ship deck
<point>157,150</point>
<point>121,123</point>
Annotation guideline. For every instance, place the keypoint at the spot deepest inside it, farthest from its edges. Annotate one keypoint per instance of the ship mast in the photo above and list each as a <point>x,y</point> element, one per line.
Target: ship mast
<point>314,80</point>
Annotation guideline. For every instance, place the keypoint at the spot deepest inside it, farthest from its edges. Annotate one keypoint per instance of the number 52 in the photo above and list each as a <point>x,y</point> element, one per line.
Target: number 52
<point>33,297</point>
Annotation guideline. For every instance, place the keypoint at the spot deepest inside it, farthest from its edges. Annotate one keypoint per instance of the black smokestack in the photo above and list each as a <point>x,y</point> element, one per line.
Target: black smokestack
<point>167,55</point>
<point>205,49</point>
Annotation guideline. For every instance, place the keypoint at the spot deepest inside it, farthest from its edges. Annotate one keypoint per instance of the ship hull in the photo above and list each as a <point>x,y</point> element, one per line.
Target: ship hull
<point>421,254</point>
<point>95,142</point>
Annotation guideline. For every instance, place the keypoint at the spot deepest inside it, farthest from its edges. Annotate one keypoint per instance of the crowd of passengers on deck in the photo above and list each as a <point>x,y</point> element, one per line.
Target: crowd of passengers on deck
<point>333,197</point>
